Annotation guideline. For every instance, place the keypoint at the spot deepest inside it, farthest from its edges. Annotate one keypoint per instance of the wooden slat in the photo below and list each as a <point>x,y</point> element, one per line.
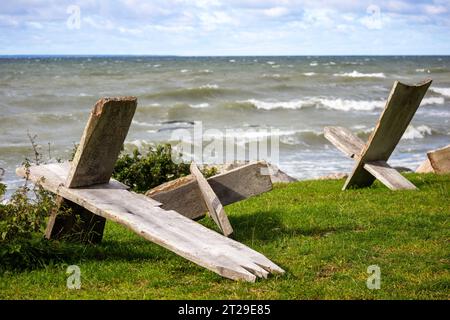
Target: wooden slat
<point>440,160</point>
<point>400,108</point>
<point>425,167</point>
<point>182,195</point>
<point>169,229</point>
<point>212,202</point>
<point>101,142</point>
<point>388,175</point>
<point>344,140</point>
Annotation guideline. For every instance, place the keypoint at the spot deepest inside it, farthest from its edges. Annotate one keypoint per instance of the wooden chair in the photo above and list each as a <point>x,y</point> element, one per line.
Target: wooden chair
<point>371,157</point>
<point>86,187</point>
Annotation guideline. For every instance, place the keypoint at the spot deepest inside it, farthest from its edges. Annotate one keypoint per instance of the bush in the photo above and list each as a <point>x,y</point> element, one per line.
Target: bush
<point>143,172</point>
<point>22,223</point>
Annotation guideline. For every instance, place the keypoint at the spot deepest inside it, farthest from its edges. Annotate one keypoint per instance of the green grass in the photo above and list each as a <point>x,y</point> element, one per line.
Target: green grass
<point>323,237</point>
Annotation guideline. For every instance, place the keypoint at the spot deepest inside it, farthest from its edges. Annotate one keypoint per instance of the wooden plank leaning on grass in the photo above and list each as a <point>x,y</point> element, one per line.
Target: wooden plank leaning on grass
<point>111,200</point>
<point>215,208</point>
<point>371,157</point>
<point>438,161</point>
<point>93,163</point>
<point>183,194</point>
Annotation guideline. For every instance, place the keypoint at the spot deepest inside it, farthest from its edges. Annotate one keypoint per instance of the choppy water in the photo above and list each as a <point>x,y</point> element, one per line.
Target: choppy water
<point>52,97</point>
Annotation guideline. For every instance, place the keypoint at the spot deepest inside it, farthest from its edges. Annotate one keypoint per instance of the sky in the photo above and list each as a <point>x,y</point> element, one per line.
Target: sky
<point>225,27</point>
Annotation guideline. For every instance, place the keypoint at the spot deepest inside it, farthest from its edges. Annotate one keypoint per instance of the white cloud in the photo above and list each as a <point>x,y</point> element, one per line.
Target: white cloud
<point>432,9</point>
<point>34,25</point>
<point>276,12</point>
<point>8,21</point>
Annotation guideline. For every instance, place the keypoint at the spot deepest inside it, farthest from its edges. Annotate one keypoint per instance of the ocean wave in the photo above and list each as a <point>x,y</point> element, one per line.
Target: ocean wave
<point>251,134</point>
<point>356,74</point>
<point>327,103</point>
<point>275,76</point>
<point>419,132</point>
<point>442,91</point>
<point>205,91</point>
<point>200,105</point>
<point>309,74</point>
<point>433,100</point>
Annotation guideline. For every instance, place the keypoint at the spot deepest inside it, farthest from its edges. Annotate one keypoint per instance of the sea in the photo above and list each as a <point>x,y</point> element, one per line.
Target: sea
<point>290,98</point>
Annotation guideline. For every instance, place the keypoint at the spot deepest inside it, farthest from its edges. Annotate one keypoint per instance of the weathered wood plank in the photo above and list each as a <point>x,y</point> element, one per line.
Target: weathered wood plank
<point>169,229</point>
<point>400,108</point>
<point>344,140</point>
<point>388,175</point>
<point>440,160</point>
<point>101,142</point>
<point>93,163</point>
<point>182,195</point>
<point>425,167</point>
<point>212,202</point>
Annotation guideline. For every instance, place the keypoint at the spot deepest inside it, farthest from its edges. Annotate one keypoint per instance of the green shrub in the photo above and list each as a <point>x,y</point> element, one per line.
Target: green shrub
<point>142,172</point>
<point>22,223</point>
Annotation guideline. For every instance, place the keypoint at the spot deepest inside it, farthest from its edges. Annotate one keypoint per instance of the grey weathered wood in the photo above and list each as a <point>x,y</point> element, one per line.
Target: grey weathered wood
<point>101,142</point>
<point>167,228</point>
<point>440,160</point>
<point>400,108</point>
<point>93,163</point>
<point>183,195</point>
<point>212,202</point>
<point>344,140</point>
<point>388,175</point>
<point>425,167</point>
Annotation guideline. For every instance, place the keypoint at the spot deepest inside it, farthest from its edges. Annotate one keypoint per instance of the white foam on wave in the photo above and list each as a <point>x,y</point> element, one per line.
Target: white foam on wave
<point>313,64</point>
<point>143,124</point>
<point>443,91</point>
<point>200,105</point>
<point>269,105</point>
<point>417,132</point>
<point>433,100</point>
<point>184,71</point>
<point>327,103</point>
<point>309,74</point>
<point>242,137</point>
<point>209,86</point>
<point>331,103</point>
<point>356,74</point>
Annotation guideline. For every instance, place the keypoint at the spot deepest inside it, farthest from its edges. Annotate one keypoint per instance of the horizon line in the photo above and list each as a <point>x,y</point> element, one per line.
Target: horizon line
<point>217,56</point>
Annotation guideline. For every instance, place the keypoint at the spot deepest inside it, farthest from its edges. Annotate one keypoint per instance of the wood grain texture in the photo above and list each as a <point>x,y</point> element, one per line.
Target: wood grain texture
<point>183,195</point>
<point>169,229</point>
<point>440,160</point>
<point>344,140</point>
<point>425,167</point>
<point>400,108</point>
<point>101,142</point>
<point>212,202</point>
<point>390,177</point>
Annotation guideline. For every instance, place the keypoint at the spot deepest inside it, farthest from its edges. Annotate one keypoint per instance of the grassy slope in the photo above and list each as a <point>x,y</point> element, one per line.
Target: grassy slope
<point>324,238</point>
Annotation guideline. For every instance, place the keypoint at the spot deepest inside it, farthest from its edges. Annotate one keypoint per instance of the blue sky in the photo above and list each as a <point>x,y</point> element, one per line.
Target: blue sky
<point>225,27</point>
